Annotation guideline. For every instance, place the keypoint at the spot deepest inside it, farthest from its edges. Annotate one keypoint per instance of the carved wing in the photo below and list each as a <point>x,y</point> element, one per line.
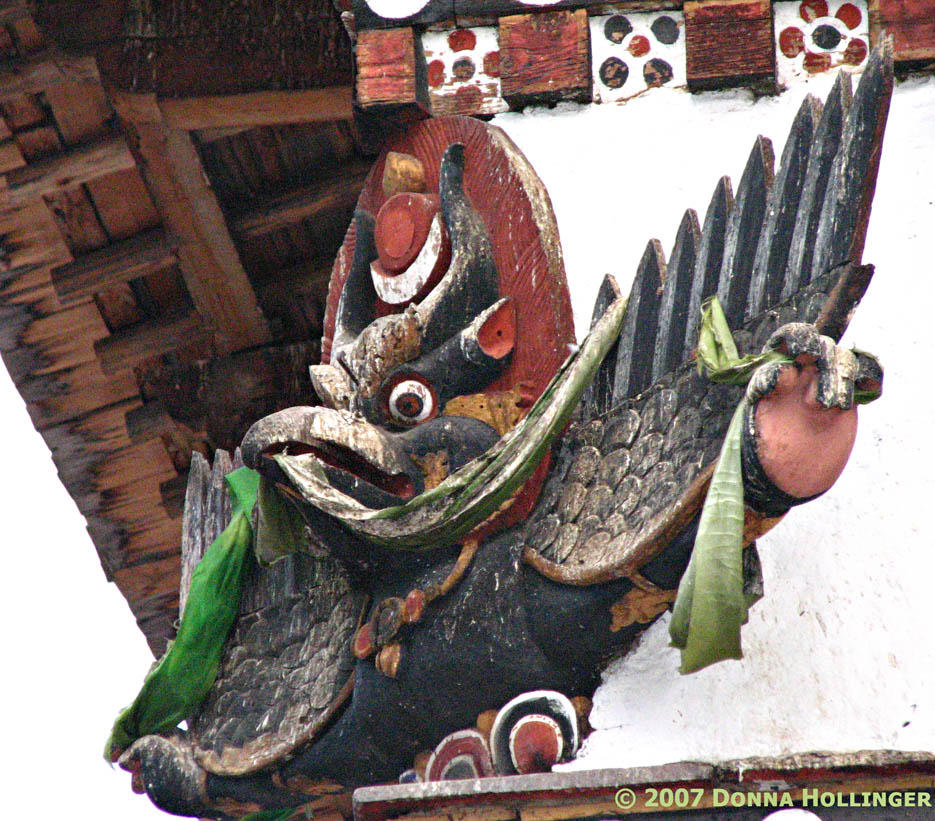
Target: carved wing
<point>287,665</point>
<point>633,470</point>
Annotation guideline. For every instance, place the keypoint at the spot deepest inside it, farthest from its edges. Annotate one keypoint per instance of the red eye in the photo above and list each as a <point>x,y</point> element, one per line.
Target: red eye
<point>411,402</point>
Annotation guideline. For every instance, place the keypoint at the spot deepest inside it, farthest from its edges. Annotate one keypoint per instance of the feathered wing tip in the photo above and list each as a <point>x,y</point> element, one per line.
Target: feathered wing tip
<point>765,244</point>
<point>786,249</point>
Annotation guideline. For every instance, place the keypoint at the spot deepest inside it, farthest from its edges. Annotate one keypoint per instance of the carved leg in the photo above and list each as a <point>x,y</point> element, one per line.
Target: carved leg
<point>391,614</point>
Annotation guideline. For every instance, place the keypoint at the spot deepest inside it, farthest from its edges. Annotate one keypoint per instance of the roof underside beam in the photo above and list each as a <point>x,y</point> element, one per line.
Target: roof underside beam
<point>210,265</point>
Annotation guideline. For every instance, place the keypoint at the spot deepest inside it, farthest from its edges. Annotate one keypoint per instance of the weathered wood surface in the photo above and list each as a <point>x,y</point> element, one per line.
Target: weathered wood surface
<point>743,231</point>
<point>638,335</point>
<point>708,259</point>
<point>676,297</point>
<point>824,147</point>
<point>153,337</point>
<point>213,273</point>
<point>259,108</point>
<point>181,49</point>
<point>391,69</point>
<point>545,57</point>
<point>77,165</point>
<point>590,793</point>
<point>729,42</point>
<point>772,253</point>
<point>138,256</point>
<point>477,12</point>
<point>328,199</point>
<point>911,24</point>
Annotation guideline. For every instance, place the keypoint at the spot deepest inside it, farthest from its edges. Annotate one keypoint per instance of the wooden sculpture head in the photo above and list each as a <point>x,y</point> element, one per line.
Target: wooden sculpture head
<point>447,316</point>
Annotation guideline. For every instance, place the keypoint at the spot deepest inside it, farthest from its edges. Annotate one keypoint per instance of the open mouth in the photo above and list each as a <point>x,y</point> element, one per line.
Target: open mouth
<point>348,462</point>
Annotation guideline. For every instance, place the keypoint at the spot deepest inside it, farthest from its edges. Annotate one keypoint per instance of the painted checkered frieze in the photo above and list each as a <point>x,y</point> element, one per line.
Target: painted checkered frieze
<point>631,53</point>
<point>813,36</point>
<point>463,71</point>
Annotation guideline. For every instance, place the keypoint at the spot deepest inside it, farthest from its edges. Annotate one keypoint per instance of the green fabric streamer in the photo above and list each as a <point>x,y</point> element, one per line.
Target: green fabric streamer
<point>182,677</point>
<point>710,606</point>
<point>718,357</point>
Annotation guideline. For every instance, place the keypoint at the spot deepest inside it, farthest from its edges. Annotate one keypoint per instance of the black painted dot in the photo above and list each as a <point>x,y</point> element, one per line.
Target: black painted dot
<point>826,37</point>
<point>665,29</point>
<point>613,72</point>
<point>463,69</point>
<point>657,72</point>
<point>616,28</point>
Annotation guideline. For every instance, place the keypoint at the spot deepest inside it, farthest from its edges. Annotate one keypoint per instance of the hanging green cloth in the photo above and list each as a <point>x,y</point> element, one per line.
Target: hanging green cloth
<point>184,675</point>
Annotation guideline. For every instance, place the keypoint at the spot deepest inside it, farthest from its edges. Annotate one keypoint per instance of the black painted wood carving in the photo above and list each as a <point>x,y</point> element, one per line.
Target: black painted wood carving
<point>447,319</point>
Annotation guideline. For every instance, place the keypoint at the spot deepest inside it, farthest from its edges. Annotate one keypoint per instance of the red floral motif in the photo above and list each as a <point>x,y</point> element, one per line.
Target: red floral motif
<point>436,73</point>
<point>462,40</point>
<point>791,41</point>
<point>850,15</point>
<point>816,63</point>
<point>811,10</point>
<point>856,52</point>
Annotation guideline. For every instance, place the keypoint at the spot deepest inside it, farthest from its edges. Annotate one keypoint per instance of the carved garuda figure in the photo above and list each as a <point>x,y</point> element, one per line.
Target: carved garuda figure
<point>477,508</point>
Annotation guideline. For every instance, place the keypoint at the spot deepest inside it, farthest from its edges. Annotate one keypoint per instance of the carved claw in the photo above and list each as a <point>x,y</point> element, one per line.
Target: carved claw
<point>802,421</point>
<point>837,367</point>
<point>165,769</point>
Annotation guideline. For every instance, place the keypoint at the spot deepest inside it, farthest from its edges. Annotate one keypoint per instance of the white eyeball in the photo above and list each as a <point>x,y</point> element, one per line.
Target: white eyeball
<point>411,402</point>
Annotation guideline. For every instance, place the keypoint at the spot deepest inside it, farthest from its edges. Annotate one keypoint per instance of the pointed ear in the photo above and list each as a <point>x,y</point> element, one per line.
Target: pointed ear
<point>496,334</point>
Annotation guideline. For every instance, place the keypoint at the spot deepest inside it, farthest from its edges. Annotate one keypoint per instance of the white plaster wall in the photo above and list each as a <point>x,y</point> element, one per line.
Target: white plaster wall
<point>839,654</point>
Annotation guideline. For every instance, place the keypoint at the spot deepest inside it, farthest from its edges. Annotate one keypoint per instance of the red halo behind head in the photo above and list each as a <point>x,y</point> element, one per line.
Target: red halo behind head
<point>505,191</point>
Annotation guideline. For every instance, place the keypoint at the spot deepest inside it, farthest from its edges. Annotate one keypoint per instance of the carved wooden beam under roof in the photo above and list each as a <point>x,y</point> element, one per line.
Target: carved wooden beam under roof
<point>259,108</point>
<point>213,273</point>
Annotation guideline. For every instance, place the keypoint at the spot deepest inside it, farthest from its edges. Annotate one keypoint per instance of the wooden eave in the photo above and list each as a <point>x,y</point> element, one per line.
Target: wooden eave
<point>165,247</point>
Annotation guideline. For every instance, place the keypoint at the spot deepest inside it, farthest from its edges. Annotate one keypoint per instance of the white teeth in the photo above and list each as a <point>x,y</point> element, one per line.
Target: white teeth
<point>399,289</point>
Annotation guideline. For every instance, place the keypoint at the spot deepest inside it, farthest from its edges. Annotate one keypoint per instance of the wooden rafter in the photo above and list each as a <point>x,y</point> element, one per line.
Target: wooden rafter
<point>210,265</point>
<point>77,166</point>
<point>132,345</point>
<point>122,261</point>
<point>313,202</point>
<point>259,108</point>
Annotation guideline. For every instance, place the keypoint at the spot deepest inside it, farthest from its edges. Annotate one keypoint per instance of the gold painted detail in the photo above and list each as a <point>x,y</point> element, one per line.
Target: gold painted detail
<point>434,467</point>
<point>501,410</point>
<point>639,605</point>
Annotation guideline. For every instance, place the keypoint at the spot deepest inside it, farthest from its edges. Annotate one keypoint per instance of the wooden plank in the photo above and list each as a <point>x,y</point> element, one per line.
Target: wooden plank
<point>38,143</point>
<point>545,57</point>
<point>911,24</point>
<point>26,35</point>
<point>56,397</point>
<point>45,70</point>
<point>638,334</point>
<point>213,273</point>
<point>123,203</point>
<point>391,69</point>
<point>121,261</point>
<point>128,347</point>
<point>118,306</point>
<point>73,167</point>
<point>74,214</point>
<point>259,108</point>
<point>80,110</point>
<point>729,42</point>
<point>21,110</point>
<point>11,157</point>
<point>336,195</point>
